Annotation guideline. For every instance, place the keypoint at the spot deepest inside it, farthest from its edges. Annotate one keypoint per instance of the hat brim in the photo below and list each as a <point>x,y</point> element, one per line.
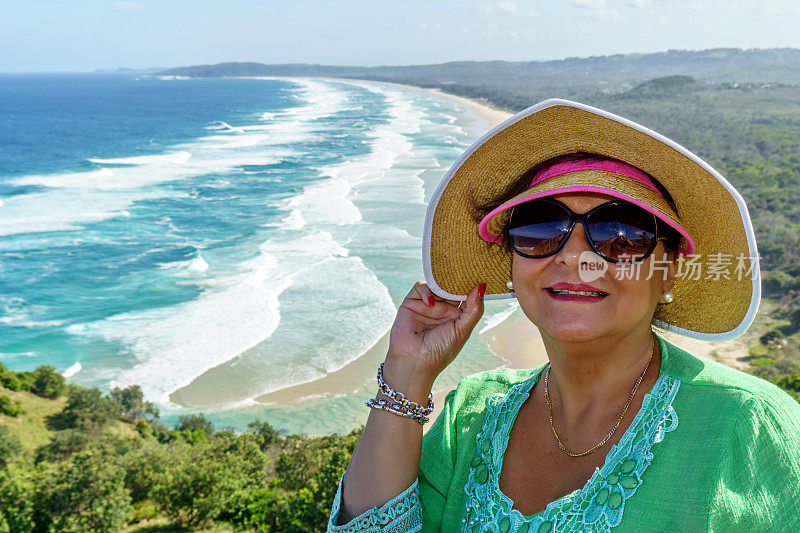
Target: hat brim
<point>456,258</point>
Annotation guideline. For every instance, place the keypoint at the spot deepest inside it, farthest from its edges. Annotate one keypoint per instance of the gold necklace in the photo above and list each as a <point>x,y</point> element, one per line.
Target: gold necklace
<point>600,444</point>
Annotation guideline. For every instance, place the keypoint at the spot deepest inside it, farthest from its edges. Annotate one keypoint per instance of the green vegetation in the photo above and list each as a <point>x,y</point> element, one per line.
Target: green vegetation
<point>48,383</point>
<point>791,384</point>
<point>668,85</point>
<point>106,463</point>
<point>9,407</point>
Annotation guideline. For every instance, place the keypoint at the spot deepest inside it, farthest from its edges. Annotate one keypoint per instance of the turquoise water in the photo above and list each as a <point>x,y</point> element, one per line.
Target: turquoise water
<point>236,236</point>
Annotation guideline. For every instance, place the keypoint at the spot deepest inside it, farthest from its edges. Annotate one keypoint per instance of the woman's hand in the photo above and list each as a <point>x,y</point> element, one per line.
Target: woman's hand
<point>427,334</point>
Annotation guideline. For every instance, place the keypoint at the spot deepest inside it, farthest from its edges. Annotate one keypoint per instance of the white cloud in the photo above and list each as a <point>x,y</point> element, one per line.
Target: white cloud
<point>596,9</point>
<point>781,7</point>
<point>504,8</point>
<point>490,30</point>
<point>508,7</point>
<point>641,4</point>
<point>126,4</point>
<point>590,4</point>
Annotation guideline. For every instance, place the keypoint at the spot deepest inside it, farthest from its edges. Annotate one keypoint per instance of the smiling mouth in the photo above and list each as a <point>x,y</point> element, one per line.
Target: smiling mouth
<point>576,293</point>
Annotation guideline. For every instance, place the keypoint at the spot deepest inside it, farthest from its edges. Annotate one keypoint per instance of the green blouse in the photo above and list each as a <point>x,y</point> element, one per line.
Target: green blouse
<point>711,449</point>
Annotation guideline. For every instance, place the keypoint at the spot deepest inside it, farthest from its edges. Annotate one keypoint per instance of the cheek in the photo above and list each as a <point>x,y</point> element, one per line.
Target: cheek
<point>526,272</point>
<point>639,288</point>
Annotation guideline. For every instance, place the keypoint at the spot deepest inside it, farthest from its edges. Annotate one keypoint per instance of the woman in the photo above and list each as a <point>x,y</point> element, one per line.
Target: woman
<point>597,226</point>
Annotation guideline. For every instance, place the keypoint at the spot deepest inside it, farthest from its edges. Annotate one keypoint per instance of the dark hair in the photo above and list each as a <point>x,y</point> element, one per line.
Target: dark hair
<point>482,207</point>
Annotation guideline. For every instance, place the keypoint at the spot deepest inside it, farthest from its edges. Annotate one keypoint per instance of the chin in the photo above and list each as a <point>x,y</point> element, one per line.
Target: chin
<point>578,329</point>
<point>573,334</point>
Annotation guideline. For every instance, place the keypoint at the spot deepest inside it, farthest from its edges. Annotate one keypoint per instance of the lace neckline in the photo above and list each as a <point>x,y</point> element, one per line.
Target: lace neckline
<point>600,503</point>
<point>521,395</point>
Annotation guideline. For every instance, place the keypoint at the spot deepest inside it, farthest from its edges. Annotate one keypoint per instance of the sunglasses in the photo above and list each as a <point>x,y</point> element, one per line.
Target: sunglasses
<point>618,231</point>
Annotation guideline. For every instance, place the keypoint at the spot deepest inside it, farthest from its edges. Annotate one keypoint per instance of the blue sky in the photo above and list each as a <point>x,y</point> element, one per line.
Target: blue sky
<point>79,35</point>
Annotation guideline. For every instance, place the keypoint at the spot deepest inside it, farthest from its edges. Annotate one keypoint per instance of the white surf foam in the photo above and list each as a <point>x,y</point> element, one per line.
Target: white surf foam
<point>330,201</point>
<point>176,344</point>
<point>334,311</point>
<point>292,125</point>
<point>23,320</point>
<point>71,370</point>
<point>73,200</point>
<point>293,220</point>
<point>495,319</point>
<point>64,209</point>
<point>220,125</point>
<point>195,265</point>
<point>6,355</point>
<point>19,313</point>
<point>173,157</point>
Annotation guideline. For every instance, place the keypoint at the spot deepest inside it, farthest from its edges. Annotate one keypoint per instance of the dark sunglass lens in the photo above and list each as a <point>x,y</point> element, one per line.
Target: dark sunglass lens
<point>538,227</point>
<point>623,232</point>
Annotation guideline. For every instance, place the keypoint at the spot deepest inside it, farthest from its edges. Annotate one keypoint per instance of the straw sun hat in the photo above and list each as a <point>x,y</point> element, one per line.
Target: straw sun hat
<point>460,242</point>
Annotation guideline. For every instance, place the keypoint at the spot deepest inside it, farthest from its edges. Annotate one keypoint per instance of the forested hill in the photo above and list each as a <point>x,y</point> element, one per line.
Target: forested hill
<point>535,80</point>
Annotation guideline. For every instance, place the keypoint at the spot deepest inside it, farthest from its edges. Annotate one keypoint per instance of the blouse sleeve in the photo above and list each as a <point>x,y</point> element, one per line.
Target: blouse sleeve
<point>401,514</point>
<point>421,504</point>
<point>759,478</point>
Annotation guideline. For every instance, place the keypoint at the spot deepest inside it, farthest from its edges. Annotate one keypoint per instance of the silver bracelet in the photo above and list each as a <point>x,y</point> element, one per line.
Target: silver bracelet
<point>402,400</point>
<point>383,405</point>
<point>402,406</point>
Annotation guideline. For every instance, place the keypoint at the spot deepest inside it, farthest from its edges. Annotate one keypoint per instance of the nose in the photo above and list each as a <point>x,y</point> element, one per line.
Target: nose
<point>577,242</point>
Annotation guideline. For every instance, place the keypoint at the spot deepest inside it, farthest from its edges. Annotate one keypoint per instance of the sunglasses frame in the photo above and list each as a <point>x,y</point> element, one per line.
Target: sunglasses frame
<point>582,218</point>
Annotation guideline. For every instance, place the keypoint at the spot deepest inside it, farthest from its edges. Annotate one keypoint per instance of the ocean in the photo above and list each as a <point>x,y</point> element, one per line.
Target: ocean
<point>214,240</point>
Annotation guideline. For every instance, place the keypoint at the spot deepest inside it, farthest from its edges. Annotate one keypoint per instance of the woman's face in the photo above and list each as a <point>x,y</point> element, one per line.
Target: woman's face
<point>631,299</point>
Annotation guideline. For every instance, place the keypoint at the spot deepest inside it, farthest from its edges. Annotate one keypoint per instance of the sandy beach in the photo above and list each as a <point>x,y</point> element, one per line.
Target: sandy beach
<point>491,114</point>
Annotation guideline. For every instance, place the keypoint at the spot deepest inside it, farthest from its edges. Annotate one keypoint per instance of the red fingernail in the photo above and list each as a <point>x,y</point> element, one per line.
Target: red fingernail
<point>430,299</point>
<point>481,289</point>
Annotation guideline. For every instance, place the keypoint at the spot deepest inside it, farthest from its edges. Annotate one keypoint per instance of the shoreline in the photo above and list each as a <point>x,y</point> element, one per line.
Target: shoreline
<point>351,376</point>
<point>489,113</point>
<point>492,115</point>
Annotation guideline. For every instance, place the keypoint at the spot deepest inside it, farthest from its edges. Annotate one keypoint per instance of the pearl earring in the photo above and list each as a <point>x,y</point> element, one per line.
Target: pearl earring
<point>510,285</point>
<point>667,297</point>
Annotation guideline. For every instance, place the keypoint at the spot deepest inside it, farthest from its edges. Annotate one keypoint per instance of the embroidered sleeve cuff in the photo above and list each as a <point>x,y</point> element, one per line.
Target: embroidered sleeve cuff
<point>401,514</point>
